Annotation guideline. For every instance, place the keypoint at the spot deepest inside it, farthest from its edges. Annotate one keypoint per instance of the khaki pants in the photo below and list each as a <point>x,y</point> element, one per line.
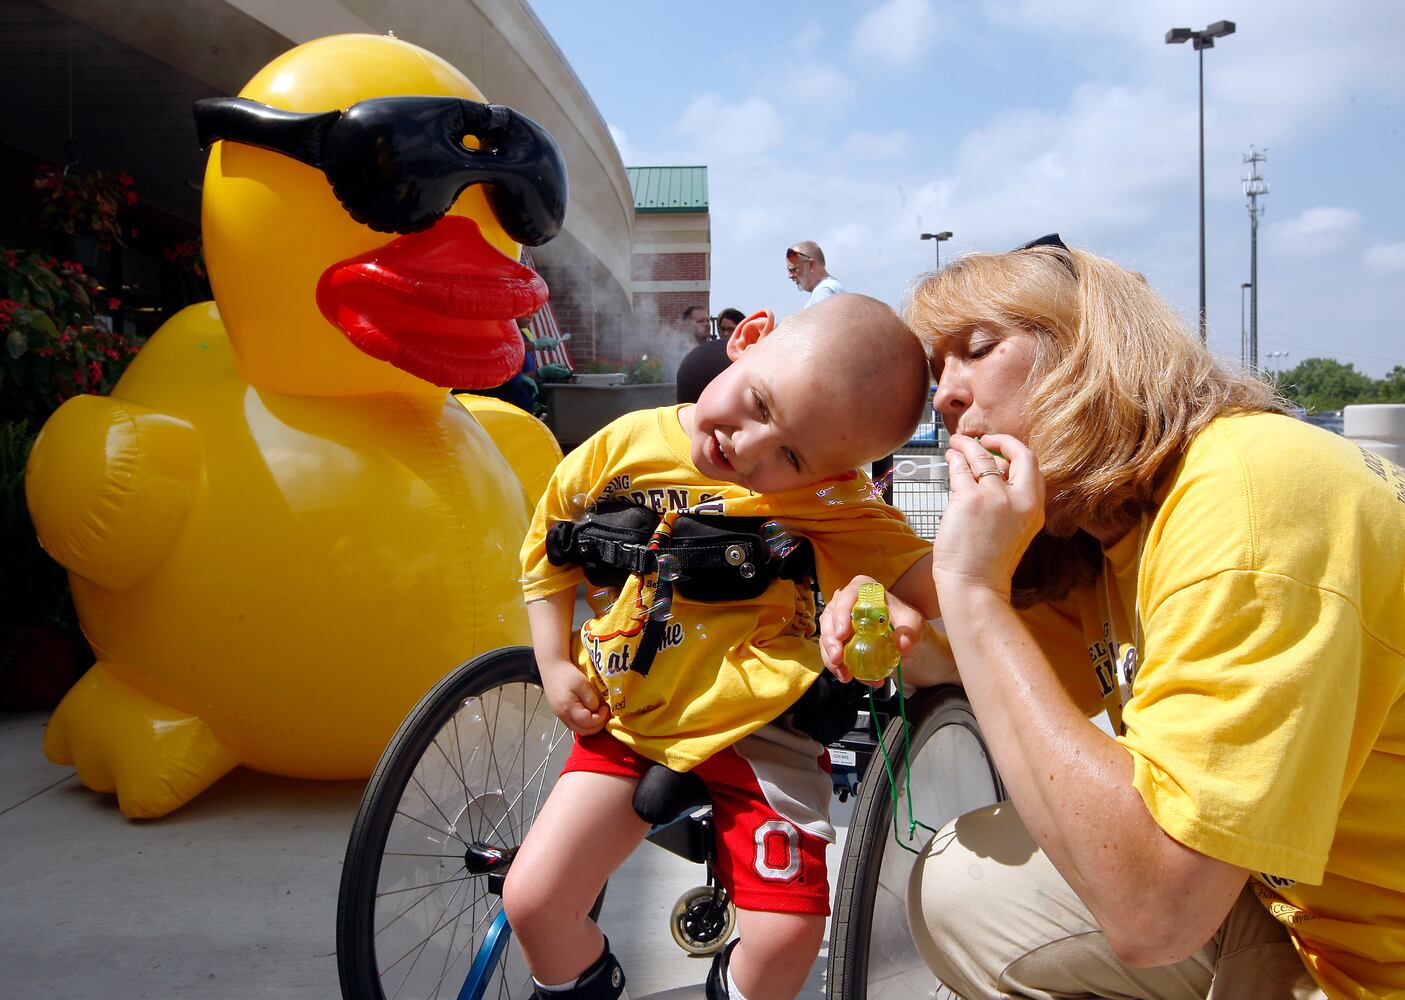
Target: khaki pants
<point>992,917</point>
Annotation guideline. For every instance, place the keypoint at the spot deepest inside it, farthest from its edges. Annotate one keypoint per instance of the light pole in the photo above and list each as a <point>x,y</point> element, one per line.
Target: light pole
<point>1254,188</point>
<point>939,237</point>
<point>1203,39</point>
<point>1243,330</point>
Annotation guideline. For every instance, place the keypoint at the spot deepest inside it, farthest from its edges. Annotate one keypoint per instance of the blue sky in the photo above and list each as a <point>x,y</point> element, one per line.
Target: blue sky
<point>862,124</point>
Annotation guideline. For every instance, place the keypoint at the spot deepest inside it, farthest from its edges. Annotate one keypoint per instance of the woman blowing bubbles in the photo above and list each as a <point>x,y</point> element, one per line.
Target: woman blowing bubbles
<point>1228,584</point>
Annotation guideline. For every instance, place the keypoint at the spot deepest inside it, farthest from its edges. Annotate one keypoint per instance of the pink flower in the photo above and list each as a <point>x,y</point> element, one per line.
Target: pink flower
<point>113,304</point>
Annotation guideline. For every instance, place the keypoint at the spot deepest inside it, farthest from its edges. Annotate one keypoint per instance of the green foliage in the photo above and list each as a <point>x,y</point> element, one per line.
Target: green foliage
<point>1322,384</point>
<point>644,371</point>
<point>85,203</point>
<point>1391,389</point>
<point>54,348</point>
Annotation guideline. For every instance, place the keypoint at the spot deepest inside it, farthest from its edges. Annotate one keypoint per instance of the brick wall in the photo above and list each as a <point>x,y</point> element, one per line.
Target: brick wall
<point>667,307</point>
<point>669,267</point>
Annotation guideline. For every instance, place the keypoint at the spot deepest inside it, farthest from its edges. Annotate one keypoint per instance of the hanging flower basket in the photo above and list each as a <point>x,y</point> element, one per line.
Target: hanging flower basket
<point>85,203</point>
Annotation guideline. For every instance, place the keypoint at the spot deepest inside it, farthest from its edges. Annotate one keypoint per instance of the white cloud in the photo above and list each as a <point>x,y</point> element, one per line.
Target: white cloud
<point>627,152</point>
<point>1385,258</point>
<point>898,31</point>
<point>818,85</point>
<point>1313,233</point>
<point>743,129</point>
<point>1104,162</point>
<point>866,145</point>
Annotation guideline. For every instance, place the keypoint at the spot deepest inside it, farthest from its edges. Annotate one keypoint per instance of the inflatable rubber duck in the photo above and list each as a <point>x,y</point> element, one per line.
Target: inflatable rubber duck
<point>280,529</point>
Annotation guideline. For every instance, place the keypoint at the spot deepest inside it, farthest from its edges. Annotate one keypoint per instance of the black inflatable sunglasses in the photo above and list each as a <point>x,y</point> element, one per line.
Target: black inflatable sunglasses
<point>397,164</point>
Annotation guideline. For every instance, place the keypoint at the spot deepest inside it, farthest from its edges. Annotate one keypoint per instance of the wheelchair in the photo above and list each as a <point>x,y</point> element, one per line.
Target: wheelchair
<point>419,909</point>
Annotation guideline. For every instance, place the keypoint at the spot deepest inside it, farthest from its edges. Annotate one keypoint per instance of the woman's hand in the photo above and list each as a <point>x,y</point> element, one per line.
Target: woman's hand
<point>572,697</point>
<point>996,509</point>
<point>836,628</point>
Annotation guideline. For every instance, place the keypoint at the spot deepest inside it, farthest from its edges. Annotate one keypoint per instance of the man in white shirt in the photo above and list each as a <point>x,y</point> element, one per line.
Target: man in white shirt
<point>804,263</point>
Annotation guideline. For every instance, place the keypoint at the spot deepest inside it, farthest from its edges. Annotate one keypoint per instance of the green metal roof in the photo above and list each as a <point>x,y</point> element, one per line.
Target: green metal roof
<point>668,189</point>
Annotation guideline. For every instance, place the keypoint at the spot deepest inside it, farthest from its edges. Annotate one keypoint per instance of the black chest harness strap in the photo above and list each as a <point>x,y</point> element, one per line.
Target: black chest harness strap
<point>718,557</point>
<point>706,557</point>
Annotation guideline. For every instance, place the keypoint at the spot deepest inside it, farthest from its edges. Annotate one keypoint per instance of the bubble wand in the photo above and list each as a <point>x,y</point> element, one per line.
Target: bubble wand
<point>872,655</point>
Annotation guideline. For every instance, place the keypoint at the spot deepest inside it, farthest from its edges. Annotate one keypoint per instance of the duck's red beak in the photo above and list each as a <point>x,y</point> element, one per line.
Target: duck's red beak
<point>440,305</point>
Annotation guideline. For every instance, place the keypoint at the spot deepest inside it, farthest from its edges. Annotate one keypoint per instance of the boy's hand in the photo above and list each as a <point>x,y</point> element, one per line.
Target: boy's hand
<point>573,698</point>
<point>836,628</point>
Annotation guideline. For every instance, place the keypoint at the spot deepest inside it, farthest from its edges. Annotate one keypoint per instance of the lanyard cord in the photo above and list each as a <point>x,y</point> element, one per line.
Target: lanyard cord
<point>912,822</point>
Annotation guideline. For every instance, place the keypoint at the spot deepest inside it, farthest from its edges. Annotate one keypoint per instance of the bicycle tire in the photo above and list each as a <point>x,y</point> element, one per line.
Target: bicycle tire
<point>871,954</point>
<point>474,760</point>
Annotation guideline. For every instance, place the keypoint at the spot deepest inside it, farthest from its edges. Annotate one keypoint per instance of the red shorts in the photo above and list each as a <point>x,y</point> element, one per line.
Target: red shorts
<point>767,860</point>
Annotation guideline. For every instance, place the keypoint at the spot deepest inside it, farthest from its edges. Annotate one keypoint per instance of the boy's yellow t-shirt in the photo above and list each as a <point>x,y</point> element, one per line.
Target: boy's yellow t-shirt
<point>1266,717</point>
<point>723,669</point>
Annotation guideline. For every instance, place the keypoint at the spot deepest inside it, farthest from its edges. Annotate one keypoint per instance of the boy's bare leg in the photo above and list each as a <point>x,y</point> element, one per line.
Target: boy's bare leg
<point>775,953</point>
<point>583,833</point>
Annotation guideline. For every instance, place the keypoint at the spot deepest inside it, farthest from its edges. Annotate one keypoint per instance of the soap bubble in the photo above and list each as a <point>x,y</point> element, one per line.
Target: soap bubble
<point>778,541</point>
<point>669,568</point>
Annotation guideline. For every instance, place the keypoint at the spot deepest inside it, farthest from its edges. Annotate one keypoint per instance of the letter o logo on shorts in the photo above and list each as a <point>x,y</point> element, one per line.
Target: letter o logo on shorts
<point>764,834</point>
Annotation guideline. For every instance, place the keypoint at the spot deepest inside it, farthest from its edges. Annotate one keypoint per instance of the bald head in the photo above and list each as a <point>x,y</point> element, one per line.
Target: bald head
<point>874,369</point>
<point>810,249</point>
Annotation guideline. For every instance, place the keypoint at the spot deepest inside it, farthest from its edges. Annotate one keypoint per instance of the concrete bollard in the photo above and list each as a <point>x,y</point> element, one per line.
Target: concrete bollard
<point>1377,427</point>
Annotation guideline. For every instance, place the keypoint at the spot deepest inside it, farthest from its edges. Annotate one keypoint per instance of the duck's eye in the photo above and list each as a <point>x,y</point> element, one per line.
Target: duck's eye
<point>882,620</point>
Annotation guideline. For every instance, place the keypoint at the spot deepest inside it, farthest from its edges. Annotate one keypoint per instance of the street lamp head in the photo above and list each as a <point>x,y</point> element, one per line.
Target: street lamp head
<point>1178,35</point>
<point>936,236</point>
<point>1219,29</point>
<point>1247,285</point>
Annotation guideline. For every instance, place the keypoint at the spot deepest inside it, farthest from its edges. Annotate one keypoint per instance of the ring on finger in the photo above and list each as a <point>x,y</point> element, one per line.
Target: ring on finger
<point>987,472</point>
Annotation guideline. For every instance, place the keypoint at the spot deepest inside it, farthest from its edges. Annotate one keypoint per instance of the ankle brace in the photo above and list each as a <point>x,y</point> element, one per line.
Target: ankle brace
<point>719,978</point>
<point>603,979</point>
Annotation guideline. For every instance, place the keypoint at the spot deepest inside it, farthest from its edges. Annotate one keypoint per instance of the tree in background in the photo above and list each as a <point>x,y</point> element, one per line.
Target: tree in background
<point>1322,384</point>
<point>1391,389</point>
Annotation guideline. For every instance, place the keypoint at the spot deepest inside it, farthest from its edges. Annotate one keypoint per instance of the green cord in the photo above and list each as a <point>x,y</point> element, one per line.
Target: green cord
<point>912,822</point>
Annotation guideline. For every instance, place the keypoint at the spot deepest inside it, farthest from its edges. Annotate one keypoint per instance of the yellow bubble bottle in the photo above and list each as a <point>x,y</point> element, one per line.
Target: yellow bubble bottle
<point>871,655</point>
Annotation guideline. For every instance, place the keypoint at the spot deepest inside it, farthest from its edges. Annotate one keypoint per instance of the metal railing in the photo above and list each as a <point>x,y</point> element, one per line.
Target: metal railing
<point>916,474</point>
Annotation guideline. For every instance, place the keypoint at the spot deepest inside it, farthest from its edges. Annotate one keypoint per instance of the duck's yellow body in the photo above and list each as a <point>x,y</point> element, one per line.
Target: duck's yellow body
<point>276,543</point>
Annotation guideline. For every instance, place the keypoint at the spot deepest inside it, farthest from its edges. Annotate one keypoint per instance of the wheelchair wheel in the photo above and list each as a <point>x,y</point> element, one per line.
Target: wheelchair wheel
<point>871,954</point>
<point>699,925</point>
<point>453,796</point>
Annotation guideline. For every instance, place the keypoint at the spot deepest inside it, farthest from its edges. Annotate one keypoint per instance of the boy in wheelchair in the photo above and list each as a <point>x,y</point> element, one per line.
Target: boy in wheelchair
<point>703,530</point>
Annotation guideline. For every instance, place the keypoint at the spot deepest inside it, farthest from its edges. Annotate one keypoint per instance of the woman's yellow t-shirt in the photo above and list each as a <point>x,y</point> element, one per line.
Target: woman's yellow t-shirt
<point>1266,717</point>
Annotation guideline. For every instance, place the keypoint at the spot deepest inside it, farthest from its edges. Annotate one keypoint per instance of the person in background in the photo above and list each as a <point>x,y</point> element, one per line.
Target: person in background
<point>708,360</point>
<point>697,322</point>
<point>1138,530</point>
<point>727,321</point>
<point>804,263</point>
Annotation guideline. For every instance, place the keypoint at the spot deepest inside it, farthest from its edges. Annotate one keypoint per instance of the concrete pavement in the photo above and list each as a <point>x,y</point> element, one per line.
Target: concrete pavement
<point>234,895</point>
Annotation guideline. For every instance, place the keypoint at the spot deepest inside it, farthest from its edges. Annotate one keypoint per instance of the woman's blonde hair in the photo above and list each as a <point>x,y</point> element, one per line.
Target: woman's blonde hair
<point>1118,387</point>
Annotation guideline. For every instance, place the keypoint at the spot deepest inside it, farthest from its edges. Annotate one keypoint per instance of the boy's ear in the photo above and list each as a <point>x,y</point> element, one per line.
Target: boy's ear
<point>756,326</point>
